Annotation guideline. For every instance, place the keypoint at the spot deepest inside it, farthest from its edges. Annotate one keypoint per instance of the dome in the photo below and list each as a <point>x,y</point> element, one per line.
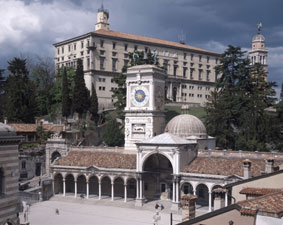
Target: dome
<point>185,126</point>
<point>6,130</point>
<point>258,37</point>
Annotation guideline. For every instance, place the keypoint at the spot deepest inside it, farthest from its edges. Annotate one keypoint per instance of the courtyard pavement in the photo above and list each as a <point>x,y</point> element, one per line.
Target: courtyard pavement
<point>74,211</point>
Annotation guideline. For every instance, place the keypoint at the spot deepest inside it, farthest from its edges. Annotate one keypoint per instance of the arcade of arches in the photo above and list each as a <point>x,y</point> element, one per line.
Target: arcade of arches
<point>155,182</point>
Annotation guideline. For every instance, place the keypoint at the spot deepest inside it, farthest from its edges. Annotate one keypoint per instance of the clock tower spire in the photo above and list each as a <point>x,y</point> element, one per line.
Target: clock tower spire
<point>102,19</point>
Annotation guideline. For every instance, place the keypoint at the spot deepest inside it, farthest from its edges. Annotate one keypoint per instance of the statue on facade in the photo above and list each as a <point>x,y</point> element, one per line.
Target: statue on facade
<point>135,57</point>
<point>145,57</point>
<point>154,56</point>
<point>259,27</point>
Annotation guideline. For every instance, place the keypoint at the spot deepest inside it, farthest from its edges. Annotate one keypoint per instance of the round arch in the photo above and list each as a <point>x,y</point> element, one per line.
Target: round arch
<point>81,184</point>
<point>119,187</point>
<point>70,183</point>
<point>106,186</point>
<point>131,187</point>
<point>58,183</point>
<point>202,194</point>
<point>93,185</point>
<point>157,176</point>
<point>187,188</point>
<point>55,155</point>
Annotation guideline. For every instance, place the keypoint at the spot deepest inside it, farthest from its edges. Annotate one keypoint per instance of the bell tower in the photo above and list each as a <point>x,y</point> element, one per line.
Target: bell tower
<point>258,53</point>
<point>144,110</point>
<point>102,19</point>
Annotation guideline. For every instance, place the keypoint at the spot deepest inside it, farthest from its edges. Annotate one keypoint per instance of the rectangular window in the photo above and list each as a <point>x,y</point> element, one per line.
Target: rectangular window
<point>207,59</point>
<point>2,183</point>
<point>192,57</point>
<point>185,56</point>
<point>136,47</point>
<point>75,46</point>
<point>165,65</point>
<point>69,48</point>
<point>145,49</point>
<point>126,56</point>
<point>102,52</point>
<point>192,74</point>
<point>114,53</point>
<point>23,164</point>
<point>82,53</point>
<point>175,70</point>
<point>82,44</point>
<point>101,63</point>
<point>58,51</point>
<point>200,74</point>
<point>101,43</point>
<point>62,58</point>
<point>62,49</point>
<point>207,75</point>
<point>87,43</point>
<point>88,62</point>
<point>184,71</point>
<point>200,57</point>
<point>114,64</point>
<point>114,45</point>
<point>126,47</point>
<point>216,61</point>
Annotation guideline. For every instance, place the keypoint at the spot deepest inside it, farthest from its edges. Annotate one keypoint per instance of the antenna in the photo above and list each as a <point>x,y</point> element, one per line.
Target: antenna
<point>182,37</point>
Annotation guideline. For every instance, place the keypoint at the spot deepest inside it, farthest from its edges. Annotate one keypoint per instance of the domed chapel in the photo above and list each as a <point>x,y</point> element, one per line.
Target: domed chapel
<point>157,161</point>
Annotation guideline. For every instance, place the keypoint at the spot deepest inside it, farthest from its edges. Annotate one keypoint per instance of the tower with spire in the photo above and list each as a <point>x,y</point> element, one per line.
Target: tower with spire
<point>258,53</point>
<point>102,19</point>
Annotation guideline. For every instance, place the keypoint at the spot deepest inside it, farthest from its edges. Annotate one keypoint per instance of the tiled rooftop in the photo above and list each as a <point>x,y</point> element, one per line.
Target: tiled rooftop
<point>150,40</point>
<point>98,159</point>
<point>25,127</point>
<point>270,205</point>
<point>225,166</point>
<point>258,191</point>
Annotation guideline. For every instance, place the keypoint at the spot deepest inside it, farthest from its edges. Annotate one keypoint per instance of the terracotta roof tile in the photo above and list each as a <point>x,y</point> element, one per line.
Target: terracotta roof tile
<point>98,159</point>
<point>258,191</point>
<point>225,166</point>
<point>150,40</point>
<point>248,211</point>
<point>268,204</point>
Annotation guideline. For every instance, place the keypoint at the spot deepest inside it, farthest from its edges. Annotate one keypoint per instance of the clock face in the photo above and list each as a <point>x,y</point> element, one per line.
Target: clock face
<point>140,96</point>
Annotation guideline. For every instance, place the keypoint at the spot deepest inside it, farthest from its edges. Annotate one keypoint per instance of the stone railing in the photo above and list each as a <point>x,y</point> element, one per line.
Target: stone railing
<point>97,149</point>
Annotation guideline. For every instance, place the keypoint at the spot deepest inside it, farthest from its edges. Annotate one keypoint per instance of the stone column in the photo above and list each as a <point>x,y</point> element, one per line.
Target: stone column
<point>173,194</point>
<point>209,201</point>
<point>171,91</point>
<point>75,187</point>
<point>180,93</point>
<point>177,191</point>
<point>125,192</point>
<point>188,203</point>
<point>64,187</point>
<point>112,190</point>
<point>87,189</point>
<point>137,189</point>
<point>141,189</point>
<point>99,189</point>
<point>226,198</point>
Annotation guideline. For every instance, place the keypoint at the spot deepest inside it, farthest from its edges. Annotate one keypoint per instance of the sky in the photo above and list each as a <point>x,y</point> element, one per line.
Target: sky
<point>31,27</point>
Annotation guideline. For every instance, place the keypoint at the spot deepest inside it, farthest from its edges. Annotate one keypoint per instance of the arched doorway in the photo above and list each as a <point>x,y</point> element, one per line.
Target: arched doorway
<point>119,187</point>
<point>186,188</point>
<point>202,195</point>
<point>132,188</point>
<point>58,184</point>
<point>54,156</point>
<point>174,94</point>
<point>81,184</point>
<point>106,186</point>
<point>70,183</point>
<point>157,177</point>
<point>93,185</point>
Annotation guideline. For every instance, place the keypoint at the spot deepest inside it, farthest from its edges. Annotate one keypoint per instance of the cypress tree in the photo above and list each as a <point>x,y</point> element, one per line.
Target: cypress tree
<point>93,109</point>
<point>80,94</point>
<point>66,101</point>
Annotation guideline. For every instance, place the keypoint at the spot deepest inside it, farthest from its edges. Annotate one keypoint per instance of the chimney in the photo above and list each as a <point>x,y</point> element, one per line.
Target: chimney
<point>247,168</point>
<point>269,165</point>
<point>219,198</point>
<point>188,203</point>
<point>5,120</point>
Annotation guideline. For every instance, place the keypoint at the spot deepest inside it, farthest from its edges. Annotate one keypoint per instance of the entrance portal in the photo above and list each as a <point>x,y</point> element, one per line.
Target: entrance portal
<point>157,177</point>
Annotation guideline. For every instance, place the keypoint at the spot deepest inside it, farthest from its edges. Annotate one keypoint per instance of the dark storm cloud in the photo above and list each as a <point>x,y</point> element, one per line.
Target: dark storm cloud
<point>206,24</point>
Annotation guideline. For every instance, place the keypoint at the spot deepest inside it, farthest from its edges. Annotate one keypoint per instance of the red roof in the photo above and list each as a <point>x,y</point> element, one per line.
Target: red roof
<point>258,191</point>
<point>25,127</point>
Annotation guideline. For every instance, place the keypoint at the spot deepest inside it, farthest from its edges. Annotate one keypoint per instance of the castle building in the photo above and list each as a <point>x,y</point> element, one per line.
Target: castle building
<point>190,70</point>
<point>158,162</point>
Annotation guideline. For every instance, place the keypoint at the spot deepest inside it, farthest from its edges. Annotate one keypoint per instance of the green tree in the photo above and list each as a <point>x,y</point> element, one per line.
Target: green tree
<point>66,101</point>
<point>20,93</point>
<point>42,134</point>
<point>113,135</point>
<point>93,109</point>
<point>81,94</point>
<point>235,110</point>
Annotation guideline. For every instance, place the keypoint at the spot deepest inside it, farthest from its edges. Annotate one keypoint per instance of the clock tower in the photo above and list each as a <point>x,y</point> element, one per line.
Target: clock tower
<point>144,105</point>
